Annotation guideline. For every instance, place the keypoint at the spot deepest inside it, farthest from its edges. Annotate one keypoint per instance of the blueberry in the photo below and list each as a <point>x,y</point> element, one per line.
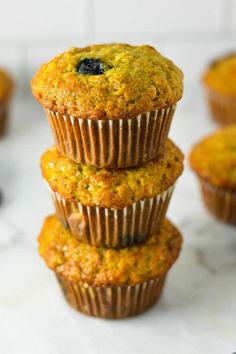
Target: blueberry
<point>90,66</point>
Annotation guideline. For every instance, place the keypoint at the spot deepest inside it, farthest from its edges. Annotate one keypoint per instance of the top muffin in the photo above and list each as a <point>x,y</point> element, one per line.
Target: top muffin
<point>214,158</point>
<point>221,75</point>
<point>6,85</point>
<point>108,81</point>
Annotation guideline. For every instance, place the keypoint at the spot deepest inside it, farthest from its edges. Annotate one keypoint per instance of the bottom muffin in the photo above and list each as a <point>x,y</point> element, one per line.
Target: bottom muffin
<point>214,161</point>
<point>105,282</point>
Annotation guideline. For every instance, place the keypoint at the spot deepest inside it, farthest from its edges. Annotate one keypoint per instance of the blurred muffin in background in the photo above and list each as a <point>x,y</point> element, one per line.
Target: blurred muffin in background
<point>6,88</point>
<point>220,84</point>
<point>214,161</point>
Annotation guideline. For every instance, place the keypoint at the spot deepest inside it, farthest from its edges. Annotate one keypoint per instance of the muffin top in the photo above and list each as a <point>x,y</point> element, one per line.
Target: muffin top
<point>221,76</point>
<point>214,158</point>
<point>111,188</point>
<point>81,262</point>
<point>108,81</point>
<point>6,85</point>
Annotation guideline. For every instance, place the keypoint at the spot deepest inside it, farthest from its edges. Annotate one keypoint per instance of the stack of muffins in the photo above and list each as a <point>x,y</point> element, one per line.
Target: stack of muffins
<point>111,175</point>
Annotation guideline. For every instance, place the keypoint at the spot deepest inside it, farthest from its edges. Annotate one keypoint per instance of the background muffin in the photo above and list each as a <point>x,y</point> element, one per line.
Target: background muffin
<point>214,161</point>
<point>112,207</point>
<point>6,87</point>
<point>220,83</point>
<point>109,105</point>
<point>93,277</point>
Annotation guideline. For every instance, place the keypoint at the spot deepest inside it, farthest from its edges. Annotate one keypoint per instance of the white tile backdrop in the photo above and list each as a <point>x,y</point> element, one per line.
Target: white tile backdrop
<point>190,32</point>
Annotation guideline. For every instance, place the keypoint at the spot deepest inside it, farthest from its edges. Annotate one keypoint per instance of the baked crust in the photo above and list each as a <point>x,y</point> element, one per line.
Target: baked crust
<point>111,188</point>
<point>137,79</point>
<point>80,262</point>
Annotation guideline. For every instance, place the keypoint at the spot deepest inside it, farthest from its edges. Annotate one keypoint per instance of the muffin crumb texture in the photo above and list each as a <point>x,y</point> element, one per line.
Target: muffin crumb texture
<point>214,158</point>
<point>80,262</point>
<point>130,80</point>
<point>111,188</point>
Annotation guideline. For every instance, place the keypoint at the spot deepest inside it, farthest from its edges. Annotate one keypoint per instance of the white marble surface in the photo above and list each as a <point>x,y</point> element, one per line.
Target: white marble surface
<point>197,312</point>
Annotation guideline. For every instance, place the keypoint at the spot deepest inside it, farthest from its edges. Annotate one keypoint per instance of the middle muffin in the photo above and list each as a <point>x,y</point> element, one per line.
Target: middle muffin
<point>112,208</point>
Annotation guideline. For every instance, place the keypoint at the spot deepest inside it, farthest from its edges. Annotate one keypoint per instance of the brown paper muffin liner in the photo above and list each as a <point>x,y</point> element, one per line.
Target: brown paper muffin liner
<point>220,202</point>
<point>222,108</point>
<point>3,118</point>
<point>112,301</point>
<point>111,143</point>
<point>113,227</point>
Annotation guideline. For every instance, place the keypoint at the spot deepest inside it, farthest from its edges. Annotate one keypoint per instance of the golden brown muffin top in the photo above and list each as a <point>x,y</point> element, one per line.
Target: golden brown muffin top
<point>6,85</point>
<point>127,80</point>
<point>111,188</point>
<point>214,158</point>
<point>81,262</point>
<point>221,76</point>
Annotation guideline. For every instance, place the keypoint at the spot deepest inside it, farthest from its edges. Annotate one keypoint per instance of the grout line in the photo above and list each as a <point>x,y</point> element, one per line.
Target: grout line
<point>196,36</point>
<point>185,36</point>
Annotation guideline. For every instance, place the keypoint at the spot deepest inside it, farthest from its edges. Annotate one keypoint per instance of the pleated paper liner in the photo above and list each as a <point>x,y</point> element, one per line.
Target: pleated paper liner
<point>111,143</point>
<point>220,202</point>
<point>113,227</point>
<point>222,108</point>
<point>3,118</point>
<point>112,301</point>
